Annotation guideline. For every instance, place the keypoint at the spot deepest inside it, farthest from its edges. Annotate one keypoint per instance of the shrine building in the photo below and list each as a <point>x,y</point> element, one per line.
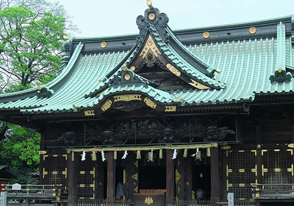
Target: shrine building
<point>169,118</point>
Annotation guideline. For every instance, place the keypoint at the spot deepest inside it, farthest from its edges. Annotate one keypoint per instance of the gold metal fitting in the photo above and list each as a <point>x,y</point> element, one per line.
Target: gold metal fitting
<point>151,16</point>
<point>99,80</point>
<point>206,35</point>
<point>218,70</point>
<point>132,68</point>
<point>74,106</point>
<point>125,68</point>
<point>127,77</point>
<point>65,37</point>
<point>252,30</point>
<point>103,44</point>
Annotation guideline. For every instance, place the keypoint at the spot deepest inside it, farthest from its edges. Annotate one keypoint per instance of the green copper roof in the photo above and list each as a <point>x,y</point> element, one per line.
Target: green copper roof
<point>246,64</point>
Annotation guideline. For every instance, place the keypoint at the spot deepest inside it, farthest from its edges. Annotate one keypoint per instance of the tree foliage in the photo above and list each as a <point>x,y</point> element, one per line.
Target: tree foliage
<point>20,151</point>
<point>29,46</point>
<point>31,34</point>
<point>21,146</point>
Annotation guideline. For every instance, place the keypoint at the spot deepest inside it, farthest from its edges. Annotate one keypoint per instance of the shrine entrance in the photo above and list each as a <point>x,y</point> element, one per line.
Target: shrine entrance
<point>201,181</point>
<point>152,178</point>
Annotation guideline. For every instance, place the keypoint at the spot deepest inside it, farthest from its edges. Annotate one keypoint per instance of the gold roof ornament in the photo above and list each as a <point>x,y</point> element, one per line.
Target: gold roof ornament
<point>149,4</point>
<point>252,30</point>
<point>65,37</point>
<point>103,44</point>
<point>151,16</point>
<point>206,35</point>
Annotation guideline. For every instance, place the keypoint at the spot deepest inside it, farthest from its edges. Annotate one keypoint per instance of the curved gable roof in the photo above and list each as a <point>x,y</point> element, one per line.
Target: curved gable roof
<point>247,65</point>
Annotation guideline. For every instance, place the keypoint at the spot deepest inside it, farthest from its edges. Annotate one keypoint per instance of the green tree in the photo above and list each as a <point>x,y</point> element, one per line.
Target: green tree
<point>30,49</point>
<point>21,146</point>
<point>29,46</point>
<point>20,151</point>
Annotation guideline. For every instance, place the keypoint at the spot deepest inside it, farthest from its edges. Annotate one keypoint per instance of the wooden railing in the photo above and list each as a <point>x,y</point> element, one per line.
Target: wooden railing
<point>34,194</point>
<point>104,203</point>
<point>192,203</point>
<point>273,191</point>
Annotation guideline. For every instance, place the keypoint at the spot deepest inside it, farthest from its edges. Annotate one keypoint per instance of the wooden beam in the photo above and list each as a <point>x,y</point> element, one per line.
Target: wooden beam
<point>72,178</point>
<point>214,168</point>
<point>169,178</point>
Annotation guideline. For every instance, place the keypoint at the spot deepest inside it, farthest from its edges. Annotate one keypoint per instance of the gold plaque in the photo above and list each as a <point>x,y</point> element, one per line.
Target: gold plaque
<point>151,16</point>
<point>198,85</point>
<point>106,105</point>
<point>206,35</point>
<point>127,77</point>
<point>103,44</point>
<point>170,108</point>
<point>173,70</point>
<point>89,113</point>
<point>252,30</point>
<point>150,103</point>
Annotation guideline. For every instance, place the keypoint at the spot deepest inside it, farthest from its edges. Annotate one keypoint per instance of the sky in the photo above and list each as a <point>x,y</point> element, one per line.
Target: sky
<point>98,18</point>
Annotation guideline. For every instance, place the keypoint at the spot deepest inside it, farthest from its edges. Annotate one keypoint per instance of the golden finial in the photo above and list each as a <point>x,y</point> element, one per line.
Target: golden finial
<point>149,3</point>
<point>65,38</point>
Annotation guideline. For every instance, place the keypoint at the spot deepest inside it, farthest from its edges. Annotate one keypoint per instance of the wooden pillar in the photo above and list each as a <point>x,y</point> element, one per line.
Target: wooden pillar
<point>100,180</point>
<point>223,175</point>
<point>259,157</point>
<point>132,175</point>
<point>188,178</point>
<point>169,178</point>
<point>214,168</point>
<point>110,178</point>
<point>179,176</point>
<point>72,178</point>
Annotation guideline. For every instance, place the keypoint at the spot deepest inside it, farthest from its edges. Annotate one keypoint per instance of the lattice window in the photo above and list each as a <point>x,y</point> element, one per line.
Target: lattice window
<point>241,172</point>
<point>86,178</point>
<point>54,171</point>
<point>277,166</point>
